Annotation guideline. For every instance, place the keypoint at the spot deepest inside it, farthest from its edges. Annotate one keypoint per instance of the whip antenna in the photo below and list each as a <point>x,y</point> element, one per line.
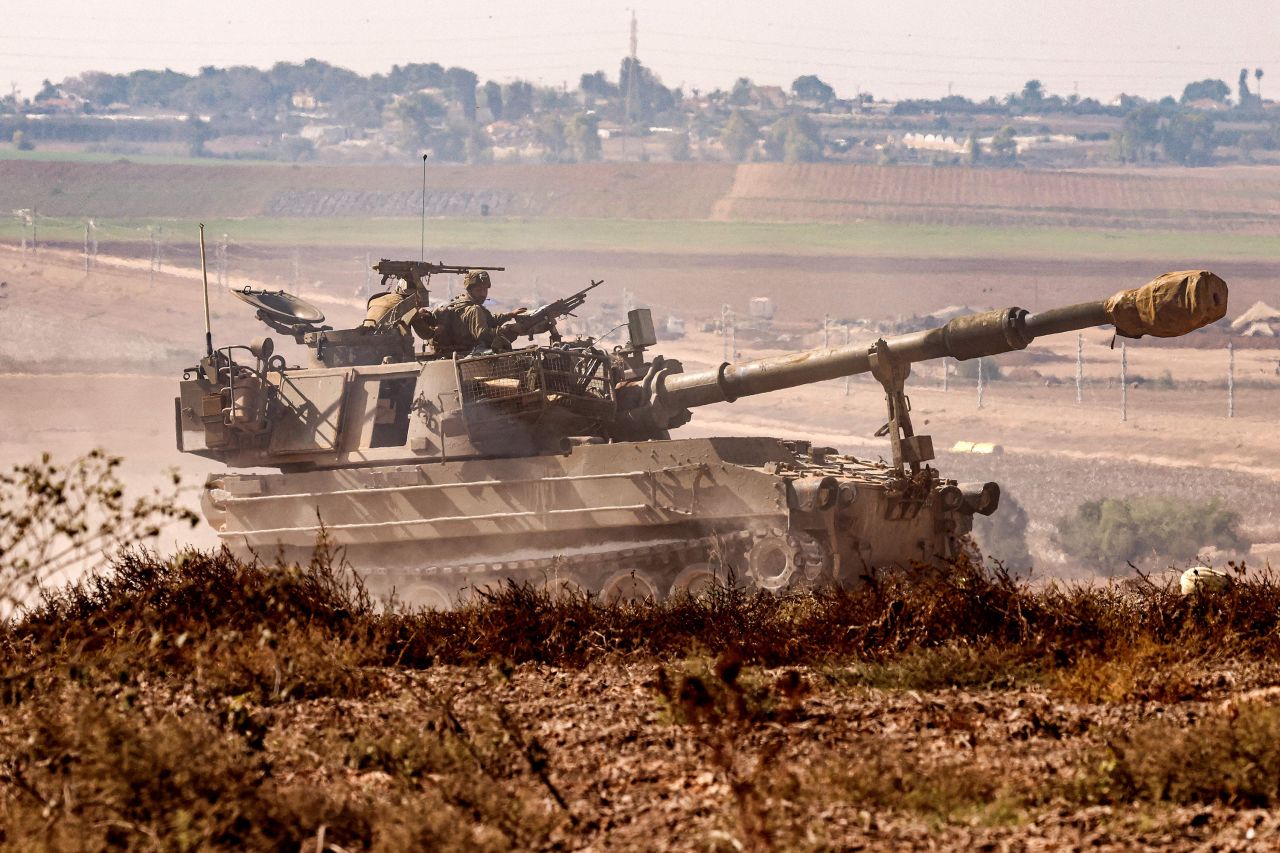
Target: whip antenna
<point>204,273</point>
<point>422,246</point>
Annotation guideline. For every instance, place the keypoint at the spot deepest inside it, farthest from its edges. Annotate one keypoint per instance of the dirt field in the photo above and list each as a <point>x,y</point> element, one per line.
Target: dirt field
<point>106,374</point>
<point>1239,199</point>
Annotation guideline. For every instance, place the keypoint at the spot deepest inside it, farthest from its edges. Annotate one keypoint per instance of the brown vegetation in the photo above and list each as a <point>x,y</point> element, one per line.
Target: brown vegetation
<point>200,701</point>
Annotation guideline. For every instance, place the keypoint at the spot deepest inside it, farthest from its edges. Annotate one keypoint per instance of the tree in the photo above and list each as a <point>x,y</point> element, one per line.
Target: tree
<point>1032,93</point>
<point>973,150</point>
<point>493,99</point>
<point>794,139</point>
<point>1212,90</point>
<point>597,85</point>
<point>419,114</point>
<point>1112,532</point>
<point>1188,139</point>
<point>1257,76</point>
<point>1242,88</point>
<point>550,135</point>
<point>1004,147</point>
<point>462,90</point>
<point>739,136</point>
<point>1139,134</point>
<point>583,135</point>
<point>651,98</point>
<point>518,100</point>
<point>678,147</point>
<point>741,94</point>
<point>809,88</point>
<point>198,133</point>
<point>1003,535</point>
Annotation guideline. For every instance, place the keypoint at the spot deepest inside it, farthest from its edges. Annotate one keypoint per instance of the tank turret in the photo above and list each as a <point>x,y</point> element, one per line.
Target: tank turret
<point>555,464</point>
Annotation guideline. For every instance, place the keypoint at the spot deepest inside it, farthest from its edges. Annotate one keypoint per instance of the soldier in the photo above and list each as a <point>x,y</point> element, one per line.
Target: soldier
<point>400,307</point>
<point>465,325</point>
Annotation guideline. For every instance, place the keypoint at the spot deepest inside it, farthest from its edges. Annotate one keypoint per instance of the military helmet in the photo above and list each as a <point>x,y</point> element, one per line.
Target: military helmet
<point>474,278</point>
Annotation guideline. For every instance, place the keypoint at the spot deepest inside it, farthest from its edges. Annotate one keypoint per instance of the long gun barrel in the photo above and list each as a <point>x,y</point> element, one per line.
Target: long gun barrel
<point>1172,305</point>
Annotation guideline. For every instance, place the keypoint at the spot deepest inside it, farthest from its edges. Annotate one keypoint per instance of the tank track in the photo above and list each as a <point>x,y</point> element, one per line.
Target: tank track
<point>659,566</point>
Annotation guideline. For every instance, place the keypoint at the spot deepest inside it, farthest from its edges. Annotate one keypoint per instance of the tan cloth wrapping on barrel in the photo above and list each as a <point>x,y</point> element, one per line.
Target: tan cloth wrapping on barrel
<point>1172,305</point>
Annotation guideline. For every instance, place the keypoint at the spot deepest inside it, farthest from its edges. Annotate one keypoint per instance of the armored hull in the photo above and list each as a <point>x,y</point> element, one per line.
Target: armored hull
<point>625,519</point>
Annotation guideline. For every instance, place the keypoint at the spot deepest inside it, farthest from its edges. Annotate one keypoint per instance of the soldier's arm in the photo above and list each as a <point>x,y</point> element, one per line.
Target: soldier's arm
<point>476,320</point>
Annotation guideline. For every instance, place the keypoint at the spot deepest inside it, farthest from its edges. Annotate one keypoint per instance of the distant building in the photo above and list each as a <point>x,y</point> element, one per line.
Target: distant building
<point>303,100</point>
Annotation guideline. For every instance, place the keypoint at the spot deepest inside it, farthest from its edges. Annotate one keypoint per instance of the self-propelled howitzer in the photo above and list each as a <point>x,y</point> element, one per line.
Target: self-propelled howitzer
<point>555,464</point>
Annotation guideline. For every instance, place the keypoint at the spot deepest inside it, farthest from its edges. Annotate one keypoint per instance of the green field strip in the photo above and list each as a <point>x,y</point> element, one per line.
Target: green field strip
<point>680,237</point>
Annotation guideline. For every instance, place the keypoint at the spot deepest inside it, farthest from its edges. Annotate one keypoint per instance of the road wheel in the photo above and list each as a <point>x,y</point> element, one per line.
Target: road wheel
<point>426,596</point>
<point>628,588</point>
<point>699,578</point>
<point>565,586</point>
<point>772,561</point>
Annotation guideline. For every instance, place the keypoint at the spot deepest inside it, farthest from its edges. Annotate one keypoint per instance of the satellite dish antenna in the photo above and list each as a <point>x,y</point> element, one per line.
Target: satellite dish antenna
<point>280,306</point>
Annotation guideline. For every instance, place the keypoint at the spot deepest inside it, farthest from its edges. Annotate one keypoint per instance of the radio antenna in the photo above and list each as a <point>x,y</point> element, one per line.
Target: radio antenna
<point>204,273</point>
<point>422,246</point>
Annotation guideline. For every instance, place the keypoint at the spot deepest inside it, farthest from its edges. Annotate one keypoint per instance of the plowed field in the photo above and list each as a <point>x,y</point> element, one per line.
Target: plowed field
<point>1235,199</point>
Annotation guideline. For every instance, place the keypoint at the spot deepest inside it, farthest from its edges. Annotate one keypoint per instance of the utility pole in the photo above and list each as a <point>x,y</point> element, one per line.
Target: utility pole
<point>1124,384</point>
<point>368,276</point>
<point>981,360</point>
<point>1231,380</point>
<point>726,320</point>
<point>221,257</point>
<point>848,379</point>
<point>631,91</point>
<point>945,375</point>
<point>1079,369</point>
<point>155,254</point>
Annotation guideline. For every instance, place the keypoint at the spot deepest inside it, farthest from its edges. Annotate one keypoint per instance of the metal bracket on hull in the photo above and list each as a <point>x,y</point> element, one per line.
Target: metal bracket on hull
<point>909,449</point>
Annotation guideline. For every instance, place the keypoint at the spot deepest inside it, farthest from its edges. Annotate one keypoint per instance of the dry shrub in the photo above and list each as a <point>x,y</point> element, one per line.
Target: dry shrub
<point>306,631</point>
<point>1145,671</point>
<point>949,665</point>
<point>946,791</point>
<point>122,775</point>
<point>91,772</point>
<point>1232,759</point>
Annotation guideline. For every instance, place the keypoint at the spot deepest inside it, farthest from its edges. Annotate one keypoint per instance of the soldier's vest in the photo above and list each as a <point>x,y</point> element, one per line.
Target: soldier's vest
<point>379,305</point>
<point>451,334</point>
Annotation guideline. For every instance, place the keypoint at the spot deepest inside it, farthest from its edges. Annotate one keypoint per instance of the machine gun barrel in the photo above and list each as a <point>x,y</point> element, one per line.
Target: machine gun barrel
<point>1172,305</point>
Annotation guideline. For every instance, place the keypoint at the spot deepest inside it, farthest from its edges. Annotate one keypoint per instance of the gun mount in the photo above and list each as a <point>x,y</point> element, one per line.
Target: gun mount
<point>554,464</point>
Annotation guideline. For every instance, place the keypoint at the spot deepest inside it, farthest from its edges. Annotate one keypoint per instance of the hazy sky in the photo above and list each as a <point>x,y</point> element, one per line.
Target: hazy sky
<point>890,48</point>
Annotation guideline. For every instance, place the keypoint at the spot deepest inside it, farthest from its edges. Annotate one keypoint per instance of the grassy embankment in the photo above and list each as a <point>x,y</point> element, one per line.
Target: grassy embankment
<point>197,701</point>
<point>685,237</point>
